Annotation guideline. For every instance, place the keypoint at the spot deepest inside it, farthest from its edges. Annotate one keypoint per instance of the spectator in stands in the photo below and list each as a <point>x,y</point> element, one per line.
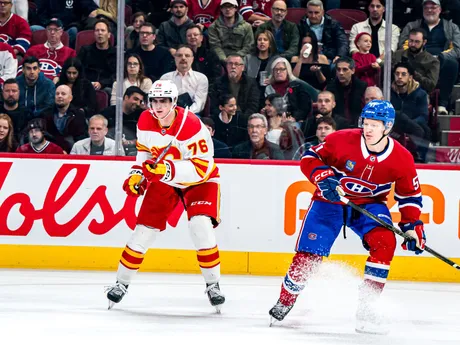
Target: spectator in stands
<point>276,115</point>
<point>235,82</point>
<point>65,124</point>
<point>132,38</point>
<point>367,67</point>
<point>192,85</point>
<point>230,125</point>
<point>203,14</point>
<point>36,129</point>
<point>97,144</point>
<point>425,65</point>
<point>83,93</point>
<point>405,11</point>
<point>410,102</point>
<point>8,142</point>
<point>71,13</point>
<point>230,34</point>
<point>157,59</point>
<point>372,93</point>
<point>375,26</point>
<point>313,68</point>
<point>257,65</point>
<point>297,93</point>
<point>291,140</point>
<point>326,108</point>
<point>328,31</point>
<point>221,149</point>
<point>21,8</point>
<point>286,33</point>
<point>348,91</point>
<point>133,76</point>
<point>205,60</point>
<point>100,58</point>
<point>14,30</point>
<point>52,54</point>
<point>108,10</point>
<point>36,92</point>
<point>443,42</point>
<point>322,128</point>
<point>257,147</point>
<point>8,63</point>
<point>171,34</point>
<point>20,115</point>
<point>132,100</point>
<point>256,12</point>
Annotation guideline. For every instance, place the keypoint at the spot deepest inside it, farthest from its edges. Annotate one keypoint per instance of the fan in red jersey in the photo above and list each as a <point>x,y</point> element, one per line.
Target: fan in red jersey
<point>364,163</point>
<point>37,141</point>
<point>174,164</point>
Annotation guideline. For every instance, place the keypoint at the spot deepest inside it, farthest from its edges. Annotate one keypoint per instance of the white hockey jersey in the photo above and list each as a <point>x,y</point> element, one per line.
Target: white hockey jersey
<point>191,154</point>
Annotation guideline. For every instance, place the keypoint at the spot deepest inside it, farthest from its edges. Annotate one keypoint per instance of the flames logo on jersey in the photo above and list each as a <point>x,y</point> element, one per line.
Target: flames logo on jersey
<point>172,154</point>
<point>360,188</point>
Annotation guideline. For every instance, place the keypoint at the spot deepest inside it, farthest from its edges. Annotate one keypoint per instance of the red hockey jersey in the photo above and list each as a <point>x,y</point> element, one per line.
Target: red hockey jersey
<point>367,177</point>
<point>203,14</point>
<point>51,60</point>
<point>49,148</point>
<point>16,32</point>
<point>259,7</point>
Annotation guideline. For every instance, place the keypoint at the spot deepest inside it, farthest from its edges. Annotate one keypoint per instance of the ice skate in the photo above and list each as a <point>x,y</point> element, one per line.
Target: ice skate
<point>370,321</point>
<point>215,296</point>
<point>115,293</point>
<point>279,312</point>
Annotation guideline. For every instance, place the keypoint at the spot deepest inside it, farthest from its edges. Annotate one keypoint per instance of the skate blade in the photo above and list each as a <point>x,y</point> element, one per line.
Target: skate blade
<point>111,304</point>
<point>272,321</point>
<point>218,309</point>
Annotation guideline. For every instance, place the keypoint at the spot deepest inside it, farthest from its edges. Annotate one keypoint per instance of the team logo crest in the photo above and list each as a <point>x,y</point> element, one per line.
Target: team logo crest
<point>312,236</point>
<point>350,165</point>
<point>4,38</point>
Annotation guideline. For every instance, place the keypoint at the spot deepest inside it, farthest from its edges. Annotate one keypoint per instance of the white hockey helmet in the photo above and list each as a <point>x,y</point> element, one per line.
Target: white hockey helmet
<point>163,89</point>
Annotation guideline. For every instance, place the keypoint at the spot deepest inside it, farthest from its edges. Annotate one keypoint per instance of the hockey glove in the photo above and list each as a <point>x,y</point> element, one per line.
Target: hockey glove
<point>154,173</point>
<point>327,183</point>
<point>135,184</point>
<point>415,230</point>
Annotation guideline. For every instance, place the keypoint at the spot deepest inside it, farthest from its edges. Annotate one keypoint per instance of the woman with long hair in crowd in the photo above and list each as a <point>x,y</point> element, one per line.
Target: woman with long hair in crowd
<point>132,37</point>
<point>311,66</point>
<point>83,93</point>
<point>133,76</point>
<point>7,141</point>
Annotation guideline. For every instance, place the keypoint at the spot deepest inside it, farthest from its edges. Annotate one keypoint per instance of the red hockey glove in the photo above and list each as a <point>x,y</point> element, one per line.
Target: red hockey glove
<point>135,184</point>
<point>415,230</point>
<point>153,173</point>
<point>327,183</point>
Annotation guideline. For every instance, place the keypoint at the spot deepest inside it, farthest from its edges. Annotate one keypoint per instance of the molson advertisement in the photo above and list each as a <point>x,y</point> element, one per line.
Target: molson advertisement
<point>71,213</point>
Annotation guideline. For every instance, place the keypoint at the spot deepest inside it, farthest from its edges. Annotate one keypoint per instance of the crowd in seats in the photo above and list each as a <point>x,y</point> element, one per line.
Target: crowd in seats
<point>269,78</point>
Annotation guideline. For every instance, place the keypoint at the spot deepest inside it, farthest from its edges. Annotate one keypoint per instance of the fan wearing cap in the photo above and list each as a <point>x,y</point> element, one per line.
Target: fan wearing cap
<point>443,42</point>
<point>367,67</point>
<point>52,54</point>
<point>36,130</point>
<point>230,34</point>
<point>171,34</point>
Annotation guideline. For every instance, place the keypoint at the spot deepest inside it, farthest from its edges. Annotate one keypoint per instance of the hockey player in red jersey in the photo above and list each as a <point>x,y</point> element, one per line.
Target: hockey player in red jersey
<point>364,163</point>
<point>185,173</point>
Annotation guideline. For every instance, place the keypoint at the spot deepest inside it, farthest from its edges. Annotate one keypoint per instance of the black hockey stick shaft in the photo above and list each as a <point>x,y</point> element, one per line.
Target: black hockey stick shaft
<point>395,230</point>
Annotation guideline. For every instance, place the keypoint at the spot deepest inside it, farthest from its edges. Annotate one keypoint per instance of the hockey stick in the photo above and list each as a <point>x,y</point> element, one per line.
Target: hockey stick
<point>392,228</point>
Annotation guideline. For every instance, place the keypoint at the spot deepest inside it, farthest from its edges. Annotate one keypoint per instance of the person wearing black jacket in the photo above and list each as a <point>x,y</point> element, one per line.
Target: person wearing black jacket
<point>100,58</point>
<point>334,40</point>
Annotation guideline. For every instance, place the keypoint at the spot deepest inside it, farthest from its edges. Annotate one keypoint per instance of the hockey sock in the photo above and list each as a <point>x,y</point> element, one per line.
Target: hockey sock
<point>130,262</point>
<point>209,262</point>
<point>302,266</point>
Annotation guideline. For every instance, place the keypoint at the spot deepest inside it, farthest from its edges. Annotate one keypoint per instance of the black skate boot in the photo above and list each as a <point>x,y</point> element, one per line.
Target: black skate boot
<point>115,293</point>
<point>215,296</point>
<point>279,311</point>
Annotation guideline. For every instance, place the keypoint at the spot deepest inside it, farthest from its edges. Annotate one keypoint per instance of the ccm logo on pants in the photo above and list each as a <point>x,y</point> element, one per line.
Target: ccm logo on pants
<point>195,203</point>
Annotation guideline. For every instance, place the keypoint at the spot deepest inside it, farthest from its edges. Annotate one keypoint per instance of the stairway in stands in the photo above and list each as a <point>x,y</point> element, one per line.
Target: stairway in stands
<point>449,150</point>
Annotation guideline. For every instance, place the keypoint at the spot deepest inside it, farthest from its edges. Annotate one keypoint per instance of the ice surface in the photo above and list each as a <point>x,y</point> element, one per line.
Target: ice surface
<point>62,307</point>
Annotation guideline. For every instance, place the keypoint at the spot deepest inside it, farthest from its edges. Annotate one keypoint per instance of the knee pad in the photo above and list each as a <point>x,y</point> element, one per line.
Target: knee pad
<point>202,232</point>
<point>142,238</point>
<point>381,244</point>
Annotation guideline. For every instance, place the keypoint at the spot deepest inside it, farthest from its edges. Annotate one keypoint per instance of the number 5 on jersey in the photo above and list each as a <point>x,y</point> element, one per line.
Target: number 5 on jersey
<point>200,145</point>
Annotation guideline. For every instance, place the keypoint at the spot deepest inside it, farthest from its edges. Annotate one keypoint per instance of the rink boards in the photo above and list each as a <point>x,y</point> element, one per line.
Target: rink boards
<point>71,213</point>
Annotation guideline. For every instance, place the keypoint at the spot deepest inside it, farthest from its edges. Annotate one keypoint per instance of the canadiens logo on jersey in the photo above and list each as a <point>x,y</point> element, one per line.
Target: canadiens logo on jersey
<point>5,38</point>
<point>360,188</point>
<point>203,19</point>
<point>49,68</point>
